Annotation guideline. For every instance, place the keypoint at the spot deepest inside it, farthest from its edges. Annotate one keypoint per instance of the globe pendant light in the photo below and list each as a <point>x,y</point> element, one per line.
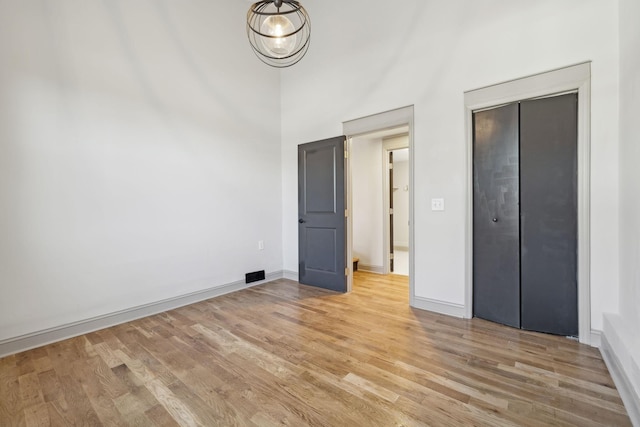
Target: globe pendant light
<point>279,31</point>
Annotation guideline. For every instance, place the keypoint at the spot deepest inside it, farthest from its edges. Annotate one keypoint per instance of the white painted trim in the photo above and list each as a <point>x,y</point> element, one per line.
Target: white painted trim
<point>378,269</point>
<point>572,78</point>
<point>624,385</point>
<point>348,193</point>
<point>388,120</point>
<point>393,143</point>
<point>47,336</point>
<point>376,122</point>
<point>441,307</point>
<point>291,275</point>
<point>596,338</point>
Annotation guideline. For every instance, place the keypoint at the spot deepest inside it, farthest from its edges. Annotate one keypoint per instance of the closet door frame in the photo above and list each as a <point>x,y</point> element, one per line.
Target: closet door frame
<point>575,78</point>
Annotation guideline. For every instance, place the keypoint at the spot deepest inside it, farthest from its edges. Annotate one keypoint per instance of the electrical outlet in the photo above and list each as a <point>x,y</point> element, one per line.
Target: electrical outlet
<point>260,245</point>
<point>437,204</point>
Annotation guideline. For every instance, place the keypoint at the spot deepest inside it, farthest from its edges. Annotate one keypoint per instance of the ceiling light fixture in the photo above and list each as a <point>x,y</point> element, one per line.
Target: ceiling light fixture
<point>279,31</point>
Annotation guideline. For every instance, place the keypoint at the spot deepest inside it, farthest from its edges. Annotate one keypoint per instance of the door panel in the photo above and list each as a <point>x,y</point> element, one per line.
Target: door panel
<point>548,168</point>
<point>496,244</point>
<point>321,214</point>
<point>320,249</point>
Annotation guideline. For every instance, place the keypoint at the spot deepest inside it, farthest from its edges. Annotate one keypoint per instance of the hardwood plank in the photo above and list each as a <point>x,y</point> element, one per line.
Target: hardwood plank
<point>30,391</point>
<point>37,415</point>
<point>159,416</point>
<point>103,390</point>
<point>75,408</point>
<point>11,404</point>
<point>55,419</point>
<point>178,409</point>
<point>372,387</point>
<point>42,364</point>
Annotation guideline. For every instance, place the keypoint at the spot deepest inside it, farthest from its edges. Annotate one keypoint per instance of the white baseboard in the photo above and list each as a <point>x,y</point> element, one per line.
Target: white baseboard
<point>291,275</point>
<point>442,307</point>
<point>47,336</point>
<point>378,269</point>
<point>629,397</point>
<point>595,338</point>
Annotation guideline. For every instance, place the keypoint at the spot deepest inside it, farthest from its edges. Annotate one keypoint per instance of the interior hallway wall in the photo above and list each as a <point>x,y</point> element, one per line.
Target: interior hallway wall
<point>367,188</point>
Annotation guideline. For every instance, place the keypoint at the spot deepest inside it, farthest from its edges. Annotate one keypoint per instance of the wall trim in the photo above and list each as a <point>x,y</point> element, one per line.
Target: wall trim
<point>630,399</point>
<point>389,144</point>
<point>375,122</point>
<point>596,338</point>
<point>437,306</point>
<point>291,275</point>
<point>572,78</point>
<point>378,269</point>
<point>58,333</point>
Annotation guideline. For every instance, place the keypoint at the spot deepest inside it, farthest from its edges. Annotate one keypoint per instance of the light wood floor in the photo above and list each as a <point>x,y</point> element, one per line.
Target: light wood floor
<point>286,354</point>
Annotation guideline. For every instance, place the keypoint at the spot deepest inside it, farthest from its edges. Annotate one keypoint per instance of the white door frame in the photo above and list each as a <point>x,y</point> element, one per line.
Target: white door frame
<point>576,78</point>
<point>388,145</point>
<point>377,122</point>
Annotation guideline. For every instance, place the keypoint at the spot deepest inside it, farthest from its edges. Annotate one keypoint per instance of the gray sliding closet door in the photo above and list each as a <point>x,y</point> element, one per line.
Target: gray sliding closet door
<point>548,197</point>
<point>496,240</point>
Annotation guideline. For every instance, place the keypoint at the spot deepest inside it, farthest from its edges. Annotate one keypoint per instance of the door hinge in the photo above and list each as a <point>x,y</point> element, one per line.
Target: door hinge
<point>390,256</point>
<point>390,211</point>
<point>346,271</point>
<point>390,165</point>
<point>346,154</point>
<point>346,213</point>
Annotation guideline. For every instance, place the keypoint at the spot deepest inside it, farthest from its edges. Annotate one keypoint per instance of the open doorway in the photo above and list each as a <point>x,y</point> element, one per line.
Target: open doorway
<point>382,128</point>
<point>379,194</point>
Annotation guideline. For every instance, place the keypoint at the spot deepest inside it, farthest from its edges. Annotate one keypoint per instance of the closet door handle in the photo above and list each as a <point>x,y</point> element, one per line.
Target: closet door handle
<point>495,220</point>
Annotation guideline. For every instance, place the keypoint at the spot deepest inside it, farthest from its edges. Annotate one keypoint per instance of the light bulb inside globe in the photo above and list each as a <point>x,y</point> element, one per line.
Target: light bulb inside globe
<point>281,39</point>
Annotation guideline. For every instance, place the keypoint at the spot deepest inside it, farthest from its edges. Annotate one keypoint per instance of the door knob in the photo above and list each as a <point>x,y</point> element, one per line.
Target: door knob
<point>495,220</point>
<point>301,221</point>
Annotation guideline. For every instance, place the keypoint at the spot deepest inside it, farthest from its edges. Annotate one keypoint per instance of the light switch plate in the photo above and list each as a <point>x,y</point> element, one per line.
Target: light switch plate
<point>437,204</point>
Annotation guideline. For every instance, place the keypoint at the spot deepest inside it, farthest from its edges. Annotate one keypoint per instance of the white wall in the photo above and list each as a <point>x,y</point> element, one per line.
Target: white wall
<point>401,201</point>
<point>621,330</point>
<point>367,203</point>
<point>426,54</point>
<point>139,156</point>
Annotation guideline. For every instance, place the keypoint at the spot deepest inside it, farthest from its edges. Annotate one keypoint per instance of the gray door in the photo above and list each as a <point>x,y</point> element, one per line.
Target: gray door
<point>322,239</point>
<point>525,215</point>
<point>548,206</point>
<point>496,240</point>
